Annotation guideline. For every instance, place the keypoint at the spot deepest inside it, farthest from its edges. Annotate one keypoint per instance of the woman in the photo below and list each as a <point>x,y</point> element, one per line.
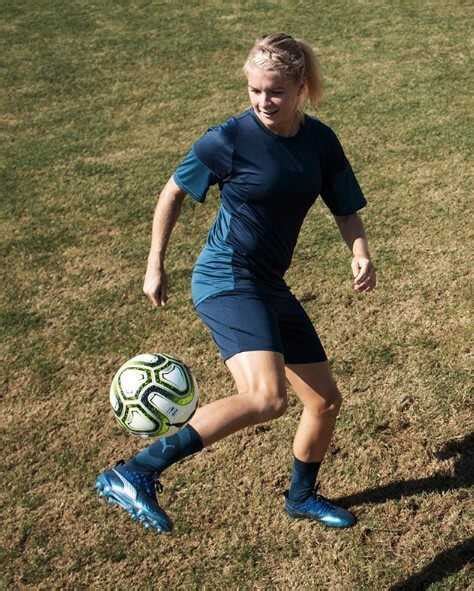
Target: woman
<point>270,163</point>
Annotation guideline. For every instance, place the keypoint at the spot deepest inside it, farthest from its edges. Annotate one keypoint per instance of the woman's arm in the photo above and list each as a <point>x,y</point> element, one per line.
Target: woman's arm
<point>352,230</point>
<point>166,213</point>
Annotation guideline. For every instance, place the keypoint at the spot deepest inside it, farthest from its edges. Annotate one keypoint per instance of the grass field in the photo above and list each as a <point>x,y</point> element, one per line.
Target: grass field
<point>99,102</point>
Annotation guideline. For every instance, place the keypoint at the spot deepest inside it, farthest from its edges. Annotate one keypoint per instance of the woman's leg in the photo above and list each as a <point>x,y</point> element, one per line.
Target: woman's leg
<point>317,390</point>
<point>261,396</point>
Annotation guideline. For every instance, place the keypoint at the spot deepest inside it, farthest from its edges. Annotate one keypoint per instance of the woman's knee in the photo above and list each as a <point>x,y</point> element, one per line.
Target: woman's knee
<point>260,377</point>
<point>328,403</point>
<point>270,402</point>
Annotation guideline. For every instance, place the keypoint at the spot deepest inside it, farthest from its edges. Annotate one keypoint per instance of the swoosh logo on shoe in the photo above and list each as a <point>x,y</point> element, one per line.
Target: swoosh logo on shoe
<point>128,488</point>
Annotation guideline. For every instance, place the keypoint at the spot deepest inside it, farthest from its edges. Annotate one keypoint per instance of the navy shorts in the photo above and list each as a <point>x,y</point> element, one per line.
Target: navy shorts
<point>259,320</point>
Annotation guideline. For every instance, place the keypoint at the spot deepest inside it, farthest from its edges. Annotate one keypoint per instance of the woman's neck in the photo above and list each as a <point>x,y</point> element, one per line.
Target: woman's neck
<point>285,128</point>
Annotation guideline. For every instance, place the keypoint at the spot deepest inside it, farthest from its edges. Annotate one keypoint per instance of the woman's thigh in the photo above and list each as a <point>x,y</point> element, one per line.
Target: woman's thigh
<point>257,372</point>
<point>260,380</point>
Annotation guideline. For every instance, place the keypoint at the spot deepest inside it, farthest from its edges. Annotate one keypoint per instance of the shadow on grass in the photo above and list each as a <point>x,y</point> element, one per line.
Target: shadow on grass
<point>454,559</point>
<point>463,476</point>
<point>444,564</point>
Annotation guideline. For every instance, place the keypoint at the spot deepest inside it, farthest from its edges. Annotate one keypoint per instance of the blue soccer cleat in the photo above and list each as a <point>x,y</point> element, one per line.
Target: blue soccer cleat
<point>136,493</point>
<point>320,509</point>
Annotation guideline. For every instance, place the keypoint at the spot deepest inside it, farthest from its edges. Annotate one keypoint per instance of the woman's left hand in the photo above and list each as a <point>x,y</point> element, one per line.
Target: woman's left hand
<point>364,274</point>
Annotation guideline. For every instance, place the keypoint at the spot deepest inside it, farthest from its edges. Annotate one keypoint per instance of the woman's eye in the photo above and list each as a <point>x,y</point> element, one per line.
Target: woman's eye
<point>274,92</point>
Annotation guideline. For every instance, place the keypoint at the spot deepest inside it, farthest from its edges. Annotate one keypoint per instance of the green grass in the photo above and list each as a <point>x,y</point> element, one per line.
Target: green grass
<point>99,103</point>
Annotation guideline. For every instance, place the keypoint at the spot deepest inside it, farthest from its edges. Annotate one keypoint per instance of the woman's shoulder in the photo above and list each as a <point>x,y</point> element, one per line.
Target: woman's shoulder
<point>232,120</point>
<point>316,124</point>
<point>222,136</point>
<point>226,130</point>
<point>216,146</point>
<point>323,133</point>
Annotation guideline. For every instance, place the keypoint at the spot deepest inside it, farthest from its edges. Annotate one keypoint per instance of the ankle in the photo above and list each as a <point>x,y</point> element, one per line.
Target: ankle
<point>133,465</point>
<point>303,480</point>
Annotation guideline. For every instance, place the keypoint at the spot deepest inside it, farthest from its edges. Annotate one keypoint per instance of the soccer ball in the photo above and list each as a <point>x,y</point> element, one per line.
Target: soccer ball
<point>153,395</point>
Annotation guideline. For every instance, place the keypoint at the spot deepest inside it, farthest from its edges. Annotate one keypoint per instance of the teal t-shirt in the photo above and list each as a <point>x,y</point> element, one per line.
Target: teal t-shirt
<point>267,184</point>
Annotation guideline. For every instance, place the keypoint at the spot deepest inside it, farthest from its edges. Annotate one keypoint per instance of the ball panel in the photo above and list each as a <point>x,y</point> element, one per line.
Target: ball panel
<point>151,360</point>
<point>162,404</point>
<point>137,421</point>
<point>145,358</point>
<point>172,380</point>
<point>173,412</point>
<point>175,377</point>
<point>115,402</point>
<point>184,413</point>
<point>131,379</point>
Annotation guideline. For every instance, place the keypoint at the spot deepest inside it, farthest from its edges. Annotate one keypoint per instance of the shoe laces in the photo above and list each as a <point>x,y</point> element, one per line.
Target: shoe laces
<point>323,501</point>
<point>149,482</point>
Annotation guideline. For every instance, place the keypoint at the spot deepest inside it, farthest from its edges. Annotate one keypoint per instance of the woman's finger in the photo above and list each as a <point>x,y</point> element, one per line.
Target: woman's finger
<point>363,274</point>
<point>367,284</point>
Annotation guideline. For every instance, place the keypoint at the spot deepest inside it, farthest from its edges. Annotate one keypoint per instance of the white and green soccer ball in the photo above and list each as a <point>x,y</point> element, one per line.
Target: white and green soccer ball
<point>153,395</point>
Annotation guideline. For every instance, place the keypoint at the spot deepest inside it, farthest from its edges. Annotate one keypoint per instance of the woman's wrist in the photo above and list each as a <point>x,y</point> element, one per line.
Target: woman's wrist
<point>156,262</point>
<point>360,248</point>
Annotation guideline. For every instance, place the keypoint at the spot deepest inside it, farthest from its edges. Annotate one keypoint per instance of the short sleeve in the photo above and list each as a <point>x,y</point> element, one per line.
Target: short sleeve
<point>194,177</point>
<point>208,162</point>
<point>340,190</point>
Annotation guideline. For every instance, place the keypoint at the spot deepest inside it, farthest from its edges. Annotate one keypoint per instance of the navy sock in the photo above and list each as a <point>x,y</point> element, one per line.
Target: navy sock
<point>303,480</point>
<point>166,451</point>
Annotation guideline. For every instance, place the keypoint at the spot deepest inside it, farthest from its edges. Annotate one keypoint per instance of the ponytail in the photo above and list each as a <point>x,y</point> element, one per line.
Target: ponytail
<point>312,74</point>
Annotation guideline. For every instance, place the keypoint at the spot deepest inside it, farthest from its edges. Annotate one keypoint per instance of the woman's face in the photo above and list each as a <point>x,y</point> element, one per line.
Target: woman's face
<point>274,98</point>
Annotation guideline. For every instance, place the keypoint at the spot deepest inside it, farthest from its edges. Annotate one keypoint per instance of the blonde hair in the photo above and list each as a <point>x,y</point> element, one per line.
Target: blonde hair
<point>294,58</point>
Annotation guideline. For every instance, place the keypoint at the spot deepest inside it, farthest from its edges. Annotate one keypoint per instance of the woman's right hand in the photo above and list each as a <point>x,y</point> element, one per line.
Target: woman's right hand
<point>155,286</point>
